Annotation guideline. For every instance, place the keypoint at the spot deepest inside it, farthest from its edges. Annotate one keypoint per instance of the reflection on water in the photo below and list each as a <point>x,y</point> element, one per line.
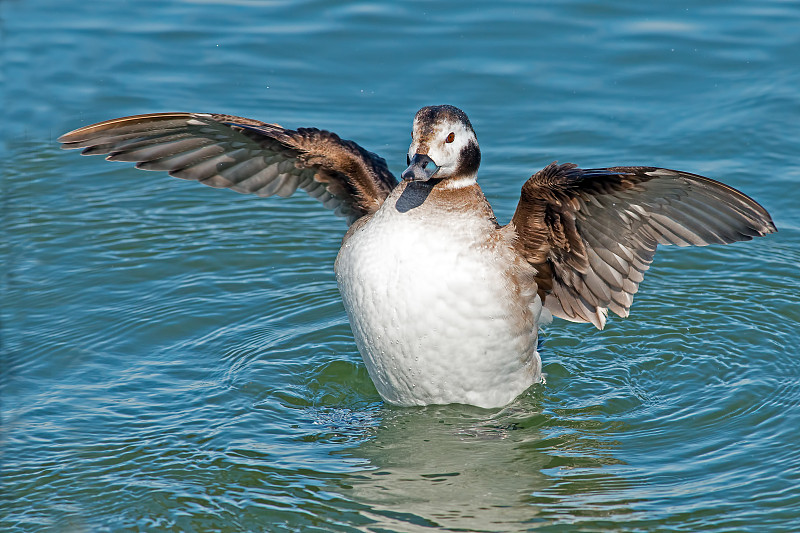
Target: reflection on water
<point>442,467</point>
<point>466,468</point>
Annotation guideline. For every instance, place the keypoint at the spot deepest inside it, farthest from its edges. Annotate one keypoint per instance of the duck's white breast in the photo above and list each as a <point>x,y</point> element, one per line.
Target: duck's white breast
<point>434,310</point>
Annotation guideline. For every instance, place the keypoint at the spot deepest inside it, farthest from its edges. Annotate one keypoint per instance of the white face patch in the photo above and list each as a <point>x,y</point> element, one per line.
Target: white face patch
<point>446,155</point>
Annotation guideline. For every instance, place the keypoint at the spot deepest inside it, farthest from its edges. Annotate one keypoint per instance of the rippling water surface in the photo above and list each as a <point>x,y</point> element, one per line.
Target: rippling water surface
<point>177,358</point>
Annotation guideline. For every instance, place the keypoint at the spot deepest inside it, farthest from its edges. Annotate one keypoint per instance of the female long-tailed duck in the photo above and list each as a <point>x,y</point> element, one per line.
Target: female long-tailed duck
<point>444,302</point>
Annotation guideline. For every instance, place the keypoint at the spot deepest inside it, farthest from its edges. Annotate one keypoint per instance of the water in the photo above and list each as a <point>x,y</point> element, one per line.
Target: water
<point>177,358</point>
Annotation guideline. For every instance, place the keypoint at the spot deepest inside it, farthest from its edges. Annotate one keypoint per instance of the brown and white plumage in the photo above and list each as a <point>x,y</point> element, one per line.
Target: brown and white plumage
<point>444,302</point>
<point>245,155</point>
<point>592,234</point>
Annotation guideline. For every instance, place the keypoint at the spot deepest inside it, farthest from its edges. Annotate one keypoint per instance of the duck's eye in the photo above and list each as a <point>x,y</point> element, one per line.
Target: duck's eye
<point>450,138</point>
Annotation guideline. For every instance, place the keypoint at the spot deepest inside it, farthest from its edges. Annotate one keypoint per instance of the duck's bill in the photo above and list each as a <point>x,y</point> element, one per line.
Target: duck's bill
<point>420,168</point>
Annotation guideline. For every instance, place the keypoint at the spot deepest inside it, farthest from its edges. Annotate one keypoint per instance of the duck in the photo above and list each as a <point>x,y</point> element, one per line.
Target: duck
<point>444,302</point>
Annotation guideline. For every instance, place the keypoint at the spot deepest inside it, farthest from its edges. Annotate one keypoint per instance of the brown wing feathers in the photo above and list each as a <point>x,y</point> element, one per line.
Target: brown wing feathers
<point>245,155</point>
<point>347,167</point>
<point>593,233</point>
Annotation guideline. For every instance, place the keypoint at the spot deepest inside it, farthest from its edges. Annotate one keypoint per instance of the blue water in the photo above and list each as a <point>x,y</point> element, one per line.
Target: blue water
<point>177,358</point>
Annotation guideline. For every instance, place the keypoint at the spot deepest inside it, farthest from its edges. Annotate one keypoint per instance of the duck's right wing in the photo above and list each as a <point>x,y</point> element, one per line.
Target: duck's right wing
<point>245,155</point>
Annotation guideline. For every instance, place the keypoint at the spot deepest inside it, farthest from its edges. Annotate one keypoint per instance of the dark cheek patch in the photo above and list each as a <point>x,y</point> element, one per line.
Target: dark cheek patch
<point>469,160</point>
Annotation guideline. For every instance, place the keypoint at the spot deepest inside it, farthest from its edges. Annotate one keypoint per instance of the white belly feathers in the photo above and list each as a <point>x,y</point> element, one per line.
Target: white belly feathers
<point>435,316</point>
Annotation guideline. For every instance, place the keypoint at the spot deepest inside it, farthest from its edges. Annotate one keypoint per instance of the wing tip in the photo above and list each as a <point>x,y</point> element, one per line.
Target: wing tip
<point>85,132</point>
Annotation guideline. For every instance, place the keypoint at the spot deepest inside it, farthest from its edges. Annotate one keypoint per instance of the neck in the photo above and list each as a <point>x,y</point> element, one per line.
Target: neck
<point>459,182</point>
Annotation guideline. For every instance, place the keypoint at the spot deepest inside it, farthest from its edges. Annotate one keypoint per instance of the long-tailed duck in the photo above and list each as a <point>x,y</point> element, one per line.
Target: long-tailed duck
<point>445,303</point>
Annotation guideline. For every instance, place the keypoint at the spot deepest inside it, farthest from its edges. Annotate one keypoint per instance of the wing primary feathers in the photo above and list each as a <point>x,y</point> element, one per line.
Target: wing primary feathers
<point>592,234</point>
<point>245,155</point>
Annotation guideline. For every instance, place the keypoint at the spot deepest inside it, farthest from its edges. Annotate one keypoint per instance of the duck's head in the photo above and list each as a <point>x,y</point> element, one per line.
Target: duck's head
<point>443,146</point>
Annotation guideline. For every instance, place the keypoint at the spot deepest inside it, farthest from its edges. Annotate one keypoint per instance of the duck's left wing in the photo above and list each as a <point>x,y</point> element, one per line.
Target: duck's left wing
<point>592,234</point>
<point>245,155</point>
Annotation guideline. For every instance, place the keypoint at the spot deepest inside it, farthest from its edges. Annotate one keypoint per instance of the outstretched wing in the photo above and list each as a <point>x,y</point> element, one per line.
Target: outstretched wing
<point>592,234</point>
<point>246,156</point>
